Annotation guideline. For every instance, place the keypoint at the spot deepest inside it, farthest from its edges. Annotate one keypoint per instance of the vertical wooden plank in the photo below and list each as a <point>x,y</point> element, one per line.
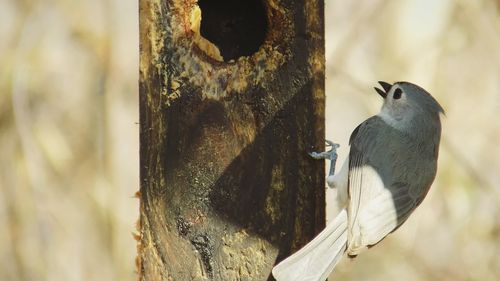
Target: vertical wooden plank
<point>229,107</point>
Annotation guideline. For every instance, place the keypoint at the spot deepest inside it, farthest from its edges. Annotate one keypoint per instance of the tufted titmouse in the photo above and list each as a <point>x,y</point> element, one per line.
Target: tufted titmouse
<point>391,165</point>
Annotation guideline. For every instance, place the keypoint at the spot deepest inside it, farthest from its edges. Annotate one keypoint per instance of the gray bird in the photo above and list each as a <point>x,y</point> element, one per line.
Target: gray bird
<point>391,165</point>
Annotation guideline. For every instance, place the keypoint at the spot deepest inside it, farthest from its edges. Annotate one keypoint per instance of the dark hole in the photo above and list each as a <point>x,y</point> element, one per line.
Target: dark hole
<point>236,27</point>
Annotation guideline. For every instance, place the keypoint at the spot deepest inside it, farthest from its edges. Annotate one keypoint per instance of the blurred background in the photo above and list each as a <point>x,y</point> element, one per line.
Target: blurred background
<point>69,133</point>
<point>69,139</point>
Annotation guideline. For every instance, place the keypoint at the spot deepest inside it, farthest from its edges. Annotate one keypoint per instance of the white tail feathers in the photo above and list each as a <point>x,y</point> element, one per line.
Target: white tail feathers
<point>316,260</point>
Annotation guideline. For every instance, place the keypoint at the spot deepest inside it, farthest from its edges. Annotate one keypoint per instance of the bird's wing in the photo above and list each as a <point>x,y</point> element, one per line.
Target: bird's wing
<point>378,202</point>
<point>384,213</point>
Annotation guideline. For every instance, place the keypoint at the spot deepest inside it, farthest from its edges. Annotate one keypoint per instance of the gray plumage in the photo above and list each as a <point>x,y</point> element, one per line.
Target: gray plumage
<point>391,165</point>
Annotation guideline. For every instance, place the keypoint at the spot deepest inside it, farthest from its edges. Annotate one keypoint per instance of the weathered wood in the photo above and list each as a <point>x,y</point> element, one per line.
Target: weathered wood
<point>227,187</point>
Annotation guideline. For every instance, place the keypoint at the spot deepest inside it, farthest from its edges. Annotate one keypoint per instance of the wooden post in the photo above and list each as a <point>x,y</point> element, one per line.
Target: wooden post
<point>231,101</point>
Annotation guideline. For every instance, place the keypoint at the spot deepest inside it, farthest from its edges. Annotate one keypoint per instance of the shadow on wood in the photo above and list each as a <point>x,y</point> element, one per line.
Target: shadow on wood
<point>227,187</point>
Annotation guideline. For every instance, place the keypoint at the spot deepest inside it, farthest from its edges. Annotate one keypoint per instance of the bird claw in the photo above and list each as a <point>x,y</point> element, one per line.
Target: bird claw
<point>330,143</point>
<point>320,155</point>
<point>330,155</point>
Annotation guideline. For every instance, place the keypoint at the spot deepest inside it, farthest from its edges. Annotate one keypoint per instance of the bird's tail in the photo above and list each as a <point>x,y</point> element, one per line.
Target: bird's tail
<point>316,260</point>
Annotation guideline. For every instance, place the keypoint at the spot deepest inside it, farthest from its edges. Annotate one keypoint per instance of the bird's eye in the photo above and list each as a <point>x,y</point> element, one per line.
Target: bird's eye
<point>397,94</point>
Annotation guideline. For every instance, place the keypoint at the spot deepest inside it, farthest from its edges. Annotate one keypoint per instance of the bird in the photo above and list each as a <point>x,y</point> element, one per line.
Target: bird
<point>391,165</point>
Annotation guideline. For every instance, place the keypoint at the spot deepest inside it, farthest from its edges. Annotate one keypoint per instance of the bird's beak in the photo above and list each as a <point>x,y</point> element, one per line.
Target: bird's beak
<point>386,86</point>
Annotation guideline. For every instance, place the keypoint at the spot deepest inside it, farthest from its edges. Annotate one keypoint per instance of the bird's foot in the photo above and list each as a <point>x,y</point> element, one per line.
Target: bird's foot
<point>329,154</point>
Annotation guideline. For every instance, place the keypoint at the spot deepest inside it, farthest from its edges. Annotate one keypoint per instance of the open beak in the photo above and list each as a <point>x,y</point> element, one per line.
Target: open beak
<point>385,86</point>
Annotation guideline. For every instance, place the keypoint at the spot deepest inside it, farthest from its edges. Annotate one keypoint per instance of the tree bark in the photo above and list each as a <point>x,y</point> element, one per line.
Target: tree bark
<point>228,111</point>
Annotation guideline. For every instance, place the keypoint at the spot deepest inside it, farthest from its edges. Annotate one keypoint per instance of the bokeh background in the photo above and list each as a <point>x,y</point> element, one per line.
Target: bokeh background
<point>69,133</point>
<point>69,138</point>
